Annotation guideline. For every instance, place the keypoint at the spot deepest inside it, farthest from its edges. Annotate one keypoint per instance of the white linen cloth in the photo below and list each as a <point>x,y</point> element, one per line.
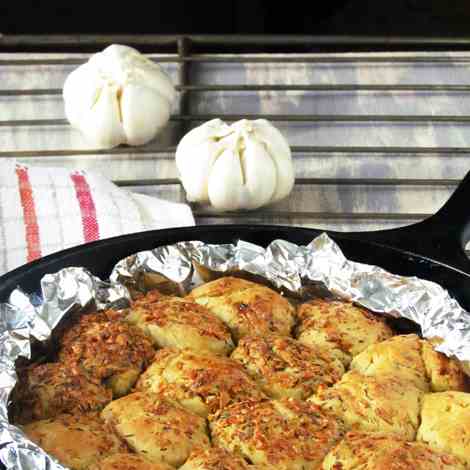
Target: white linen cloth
<point>44,210</point>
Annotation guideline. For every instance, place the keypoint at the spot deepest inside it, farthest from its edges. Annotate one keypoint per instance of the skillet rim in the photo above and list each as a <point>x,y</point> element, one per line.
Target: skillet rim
<point>33,271</point>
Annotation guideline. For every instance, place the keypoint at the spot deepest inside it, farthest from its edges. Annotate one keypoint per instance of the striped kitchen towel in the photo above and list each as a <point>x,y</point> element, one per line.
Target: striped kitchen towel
<point>44,210</point>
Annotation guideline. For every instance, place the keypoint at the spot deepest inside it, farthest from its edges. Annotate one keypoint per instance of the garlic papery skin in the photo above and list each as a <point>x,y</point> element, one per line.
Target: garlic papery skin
<point>118,97</point>
<point>242,166</point>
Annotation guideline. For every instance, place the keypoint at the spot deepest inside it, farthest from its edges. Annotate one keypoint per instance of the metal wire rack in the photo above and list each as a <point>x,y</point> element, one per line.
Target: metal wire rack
<point>185,51</point>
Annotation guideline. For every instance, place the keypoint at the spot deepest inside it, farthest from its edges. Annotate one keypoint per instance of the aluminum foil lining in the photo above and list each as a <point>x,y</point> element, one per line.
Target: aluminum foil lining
<point>298,270</point>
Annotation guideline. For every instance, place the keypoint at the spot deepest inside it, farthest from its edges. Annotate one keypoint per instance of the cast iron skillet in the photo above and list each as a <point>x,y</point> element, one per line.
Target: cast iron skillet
<point>431,249</point>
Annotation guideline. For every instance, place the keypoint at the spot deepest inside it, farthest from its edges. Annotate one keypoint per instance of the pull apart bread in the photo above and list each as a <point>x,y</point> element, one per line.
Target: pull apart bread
<point>341,327</point>
<point>126,461</point>
<point>112,351</point>
<point>234,377</point>
<point>246,307</point>
<point>217,458</point>
<point>47,390</point>
<point>284,367</point>
<point>287,433</point>
<point>156,429</point>
<point>386,403</point>
<point>180,323</point>
<point>445,423</point>
<point>413,359</point>
<point>77,441</point>
<point>199,382</point>
<point>362,451</point>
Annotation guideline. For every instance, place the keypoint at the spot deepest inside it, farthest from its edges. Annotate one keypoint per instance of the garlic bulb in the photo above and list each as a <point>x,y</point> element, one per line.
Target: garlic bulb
<point>118,97</point>
<point>242,166</point>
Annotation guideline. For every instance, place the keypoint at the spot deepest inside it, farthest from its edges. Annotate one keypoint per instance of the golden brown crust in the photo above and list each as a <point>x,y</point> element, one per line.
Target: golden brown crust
<point>200,382</point>
<point>164,420</point>
<point>175,322</point>
<point>215,458</point>
<point>443,374</point>
<point>246,307</point>
<point>156,429</point>
<point>382,403</point>
<point>126,461</point>
<point>47,390</point>
<point>445,423</point>
<point>110,350</point>
<point>343,328</point>
<point>412,359</point>
<point>286,433</point>
<point>284,367</point>
<point>150,297</point>
<point>77,441</point>
<point>361,451</point>
<point>74,327</point>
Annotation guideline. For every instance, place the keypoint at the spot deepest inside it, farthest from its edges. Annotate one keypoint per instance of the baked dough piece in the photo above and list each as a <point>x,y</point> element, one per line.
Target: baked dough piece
<point>246,307</point>
<point>200,382</point>
<point>343,328</point>
<point>148,298</point>
<point>287,433</point>
<point>156,429</point>
<point>384,403</point>
<point>445,423</point>
<point>179,323</point>
<point>77,441</point>
<point>444,374</point>
<point>216,458</point>
<point>361,451</point>
<point>47,390</point>
<point>125,461</point>
<point>284,367</point>
<point>74,327</point>
<point>109,350</point>
<point>413,359</point>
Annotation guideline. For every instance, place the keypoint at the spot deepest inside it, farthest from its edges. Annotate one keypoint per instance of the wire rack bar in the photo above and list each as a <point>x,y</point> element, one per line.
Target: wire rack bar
<point>81,41</point>
<point>451,119</point>
<point>319,88</point>
<point>84,153</point>
<point>261,60</point>
<point>296,150</point>
<point>319,181</point>
<point>186,50</point>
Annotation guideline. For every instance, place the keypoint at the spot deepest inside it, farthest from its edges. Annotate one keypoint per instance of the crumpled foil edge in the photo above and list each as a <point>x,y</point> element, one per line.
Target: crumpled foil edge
<point>289,267</point>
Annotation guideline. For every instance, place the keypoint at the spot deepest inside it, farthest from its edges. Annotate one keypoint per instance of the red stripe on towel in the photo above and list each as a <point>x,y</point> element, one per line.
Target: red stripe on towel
<point>33,243</point>
<point>87,208</point>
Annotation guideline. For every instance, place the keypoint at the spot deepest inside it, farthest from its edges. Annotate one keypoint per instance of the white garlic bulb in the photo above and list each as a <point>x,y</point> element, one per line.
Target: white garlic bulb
<point>242,166</point>
<point>118,97</point>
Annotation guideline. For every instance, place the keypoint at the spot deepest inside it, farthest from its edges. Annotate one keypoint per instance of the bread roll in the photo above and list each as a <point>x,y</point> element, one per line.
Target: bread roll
<point>362,451</point>
<point>216,458</point>
<point>287,434</point>
<point>47,390</point>
<point>179,323</point>
<point>126,461</point>
<point>200,382</point>
<point>246,307</point>
<point>383,403</point>
<point>76,441</point>
<point>284,367</point>
<point>156,429</point>
<point>412,359</point>
<point>341,327</point>
<point>445,423</point>
<point>108,350</point>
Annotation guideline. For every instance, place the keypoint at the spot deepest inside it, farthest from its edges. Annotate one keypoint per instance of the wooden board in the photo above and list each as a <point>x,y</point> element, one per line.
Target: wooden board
<point>311,203</point>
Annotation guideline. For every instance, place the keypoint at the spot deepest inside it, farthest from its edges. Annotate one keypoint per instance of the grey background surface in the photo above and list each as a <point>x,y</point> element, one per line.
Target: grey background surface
<point>24,141</point>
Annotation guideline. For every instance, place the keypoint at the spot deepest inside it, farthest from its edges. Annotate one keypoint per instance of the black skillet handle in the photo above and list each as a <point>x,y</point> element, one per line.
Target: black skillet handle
<point>441,237</point>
